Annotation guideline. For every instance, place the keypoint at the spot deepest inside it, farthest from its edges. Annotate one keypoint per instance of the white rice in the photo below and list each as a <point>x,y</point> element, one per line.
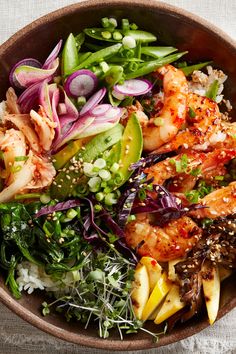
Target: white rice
<point>32,277</point>
<point>201,82</point>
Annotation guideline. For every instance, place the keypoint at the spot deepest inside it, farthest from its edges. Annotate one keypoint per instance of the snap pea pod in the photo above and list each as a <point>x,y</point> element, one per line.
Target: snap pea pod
<point>152,65</point>
<point>141,36</point>
<point>84,56</point>
<point>138,50</point>
<point>99,56</point>
<point>70,57</point>
<point>79,39</point>
<point>213,90</point>
<point>125,60</point>
<point>188,70</point>
<point>157,52</point>
<point>138,35</point>
<point>94,47</point>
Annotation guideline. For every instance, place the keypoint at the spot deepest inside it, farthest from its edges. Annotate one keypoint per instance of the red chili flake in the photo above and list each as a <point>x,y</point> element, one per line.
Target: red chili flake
<point>153,262</point>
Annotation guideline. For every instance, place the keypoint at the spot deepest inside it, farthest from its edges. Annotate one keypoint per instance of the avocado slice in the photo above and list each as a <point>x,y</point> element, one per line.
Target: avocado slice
<point>63,156</point>
<point>64,182</point>
<point>131,147</point>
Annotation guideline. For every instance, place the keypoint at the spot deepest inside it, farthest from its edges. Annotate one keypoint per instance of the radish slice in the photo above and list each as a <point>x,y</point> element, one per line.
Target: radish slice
<point>97,127</point>
<point>71,110</point>
<point>134,87</point>
<point>81,83</point>
<point>93,101</point>
<point>27,75</point>
<point>55,101</point>
<point>44,99</point>
<point>28,62</point>
<point>75,130</point>
<point>100,109</point>
<point>53,55</point>
<point>111,114</point>
<point>29,98</point>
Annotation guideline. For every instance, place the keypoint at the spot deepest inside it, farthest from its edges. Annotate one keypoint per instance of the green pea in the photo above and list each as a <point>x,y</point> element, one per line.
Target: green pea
<point>96,33</point>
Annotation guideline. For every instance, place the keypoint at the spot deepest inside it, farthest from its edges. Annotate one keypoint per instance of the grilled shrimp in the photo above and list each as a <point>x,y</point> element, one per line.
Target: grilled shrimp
<point>164,244</point>
<point>166,169</point>
<point>211,164</point>
<point>173,112</point>
<point>203,127</point>
<point>221,202</point>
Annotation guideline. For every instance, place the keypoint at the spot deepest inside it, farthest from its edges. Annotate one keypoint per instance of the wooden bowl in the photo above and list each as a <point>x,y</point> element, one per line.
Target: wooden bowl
<point>173,27</point>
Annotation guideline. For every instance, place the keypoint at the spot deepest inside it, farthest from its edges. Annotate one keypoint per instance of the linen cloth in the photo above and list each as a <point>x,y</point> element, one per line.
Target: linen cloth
<point>20,337</point>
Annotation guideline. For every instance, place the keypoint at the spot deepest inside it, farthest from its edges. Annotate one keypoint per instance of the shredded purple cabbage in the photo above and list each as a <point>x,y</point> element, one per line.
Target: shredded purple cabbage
<point>166,206</point>
<point>91,230</point>
<point>58,207</point>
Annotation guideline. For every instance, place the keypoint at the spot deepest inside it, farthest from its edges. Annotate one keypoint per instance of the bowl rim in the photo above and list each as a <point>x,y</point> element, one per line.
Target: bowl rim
<point>12,303</point>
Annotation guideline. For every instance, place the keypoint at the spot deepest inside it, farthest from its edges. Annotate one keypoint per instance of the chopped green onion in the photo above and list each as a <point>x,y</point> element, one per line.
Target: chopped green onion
<point>45,198</point>
<point>105,175</point>
<point>21,158</point>
<point>97,208</point>
<point>81,189</point>
<point>195,171</point>
<point>105,22</point>
<point>129,42</point>
<point>191,113</point>
<point>94,184</point>
<point>192,196</point>
<point>15,169</point>
<point>113,22</point>
<point>81,101</point>
<point>71,213</point>
<point>133,26</point>
<point>110,199</point>
<point>115,167</point>
<point>133,66</point>
<point>131,218</point>
<point>99,196</point>
<point>88,169</point>
<point>158,122</point>
<point>219,178</point>
<point>99,163</point>
<point>104,66</point>
<point>118,178</point>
